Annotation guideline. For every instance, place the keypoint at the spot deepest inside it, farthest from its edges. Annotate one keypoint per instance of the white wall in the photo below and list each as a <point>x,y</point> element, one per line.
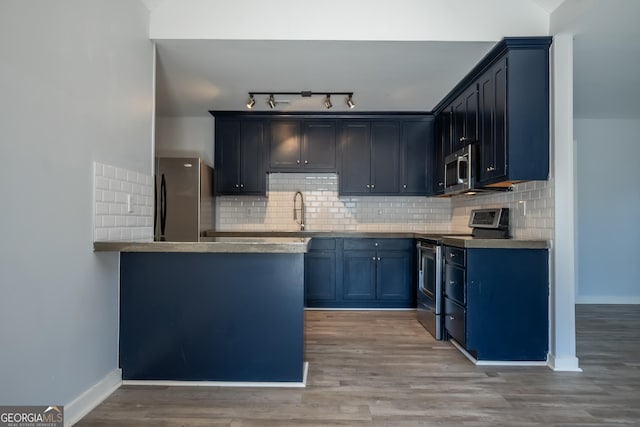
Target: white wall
<point>608,210</point>
<point>185,136</point>
<point>77,87</point>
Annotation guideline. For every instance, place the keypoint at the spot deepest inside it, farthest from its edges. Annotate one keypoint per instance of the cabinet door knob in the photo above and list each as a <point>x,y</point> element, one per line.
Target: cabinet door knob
<point>452,317</point>
<point>378,258</point>
<point>490,169</point>
<point>463,138</point>
<point>298,161</point>
<point>241,185</point>
<point>368,186</point>
<point>373,186</point>
<point>237,185</point>
<point>452,255</point>
<point>373,258</point>
<point>375,244</point>
<point>452,282</point>
<point>441,184</point>
<point>306,162</point>
<point>404,186</point>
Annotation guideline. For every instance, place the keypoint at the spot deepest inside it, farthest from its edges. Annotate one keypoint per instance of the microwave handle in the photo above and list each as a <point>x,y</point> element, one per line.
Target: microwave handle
<point>460,160</point>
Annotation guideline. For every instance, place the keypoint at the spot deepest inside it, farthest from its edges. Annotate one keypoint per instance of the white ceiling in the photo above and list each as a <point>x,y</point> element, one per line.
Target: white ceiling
<point>195,76</point>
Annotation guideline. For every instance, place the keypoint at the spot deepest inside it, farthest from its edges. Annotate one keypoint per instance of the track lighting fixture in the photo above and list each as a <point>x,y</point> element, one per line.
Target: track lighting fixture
<point>251,102</point>
<point>271,101</point>
<point>350,102</point>
<point>327,102</point>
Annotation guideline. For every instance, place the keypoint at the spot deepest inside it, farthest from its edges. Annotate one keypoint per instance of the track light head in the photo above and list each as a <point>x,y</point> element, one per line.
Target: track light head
<point>251,102</point>
<point>271,101</point>
<point>327,102</point>
<point>350,102</point>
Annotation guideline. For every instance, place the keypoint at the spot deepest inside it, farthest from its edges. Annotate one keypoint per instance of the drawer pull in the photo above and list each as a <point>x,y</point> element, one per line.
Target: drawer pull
<point>490,169</point>
<point>452,255</point>
<point>452,317</point>
<point>452,282</point>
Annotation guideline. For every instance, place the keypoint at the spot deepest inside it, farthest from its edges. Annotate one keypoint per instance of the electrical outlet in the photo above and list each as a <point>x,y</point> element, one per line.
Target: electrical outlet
<point>129,204</point>
<point>522,208</point>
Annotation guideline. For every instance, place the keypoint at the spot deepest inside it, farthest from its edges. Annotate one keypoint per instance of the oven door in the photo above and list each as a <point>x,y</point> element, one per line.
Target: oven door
<point>429,307</point>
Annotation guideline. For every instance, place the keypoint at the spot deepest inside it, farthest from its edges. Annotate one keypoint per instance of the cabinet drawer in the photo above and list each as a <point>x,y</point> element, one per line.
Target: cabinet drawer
<point>454,283</point>
<point>376,244</point>
<point>454,255</point>
<point>455,317</point>
<point>322,244</point>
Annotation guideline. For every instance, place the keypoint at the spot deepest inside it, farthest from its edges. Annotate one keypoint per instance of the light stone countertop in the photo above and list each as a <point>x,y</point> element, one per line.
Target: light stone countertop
<point>297,242</point>
<point>212,245</point>
<point>445,237</point>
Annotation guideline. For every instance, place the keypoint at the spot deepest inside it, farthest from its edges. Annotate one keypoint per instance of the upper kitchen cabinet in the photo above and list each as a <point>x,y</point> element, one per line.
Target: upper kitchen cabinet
<point>239,160</point>
<point>416,160</point>
<point>302,146</point>
<point>370,157</point>
<point>502,107</point>
<point>464,112</point>
<point>442,147</point>
<point>514,111</point>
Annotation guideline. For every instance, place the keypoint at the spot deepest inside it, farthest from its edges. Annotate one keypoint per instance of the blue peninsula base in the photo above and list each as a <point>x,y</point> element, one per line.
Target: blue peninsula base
<point>212,316</point>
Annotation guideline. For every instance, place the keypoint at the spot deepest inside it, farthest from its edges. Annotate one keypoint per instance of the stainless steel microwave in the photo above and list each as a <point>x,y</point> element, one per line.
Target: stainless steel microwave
<point>458,171</point>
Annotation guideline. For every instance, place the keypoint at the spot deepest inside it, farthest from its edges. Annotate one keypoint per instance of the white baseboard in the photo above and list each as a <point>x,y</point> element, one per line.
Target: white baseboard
<point>607,300</point>
<point>497,362</point>
<point>87,401</point>
<point>564,364</point>
<point>164,383</point>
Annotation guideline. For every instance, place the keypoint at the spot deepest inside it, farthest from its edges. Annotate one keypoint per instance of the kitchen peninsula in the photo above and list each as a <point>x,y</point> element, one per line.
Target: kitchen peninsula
<point>225,310</point>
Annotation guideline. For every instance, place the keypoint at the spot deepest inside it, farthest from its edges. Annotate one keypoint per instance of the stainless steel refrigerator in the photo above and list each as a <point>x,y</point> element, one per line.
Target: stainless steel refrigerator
<point>184,203</point>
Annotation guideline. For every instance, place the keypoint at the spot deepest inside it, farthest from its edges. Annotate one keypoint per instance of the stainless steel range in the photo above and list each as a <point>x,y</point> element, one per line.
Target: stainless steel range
<point>486,224</point>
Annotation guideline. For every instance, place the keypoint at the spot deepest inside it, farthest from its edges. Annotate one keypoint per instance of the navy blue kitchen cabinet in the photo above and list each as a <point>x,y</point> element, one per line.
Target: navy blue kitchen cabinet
<point>370,157</point>
<point>297,145</point>
<point>359,277</point>
<point>465,119</point>
<point>441,148</point>
<point>379,273</point>
<point>360,273</point>
<point>285,145</point>
<point>212,316</point>
<point>502,107</point>
<point>239,157</point>
<point>320,272</point>
<point>515,118</point>
<point>497,302</point>
<point>416,168</point>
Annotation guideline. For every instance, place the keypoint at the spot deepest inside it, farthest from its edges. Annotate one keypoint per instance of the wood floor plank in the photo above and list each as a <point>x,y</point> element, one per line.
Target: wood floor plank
<point>382,369</point>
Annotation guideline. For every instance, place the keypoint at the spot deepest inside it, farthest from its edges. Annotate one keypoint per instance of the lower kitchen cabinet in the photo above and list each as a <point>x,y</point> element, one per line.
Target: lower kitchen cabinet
<point>360,273</point>
<point>497,302</point>
<point>320,271</point>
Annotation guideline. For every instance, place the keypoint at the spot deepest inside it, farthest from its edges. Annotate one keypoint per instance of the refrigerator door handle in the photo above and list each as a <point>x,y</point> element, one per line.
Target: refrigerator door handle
<point>155,208</point>
<point>163,206</point>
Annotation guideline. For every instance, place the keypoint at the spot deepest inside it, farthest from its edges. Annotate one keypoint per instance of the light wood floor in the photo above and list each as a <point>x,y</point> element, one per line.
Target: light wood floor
<point>383,369</point>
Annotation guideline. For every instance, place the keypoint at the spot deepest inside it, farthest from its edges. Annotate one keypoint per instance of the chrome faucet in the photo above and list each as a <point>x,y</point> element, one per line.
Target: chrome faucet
<point>295,210</point>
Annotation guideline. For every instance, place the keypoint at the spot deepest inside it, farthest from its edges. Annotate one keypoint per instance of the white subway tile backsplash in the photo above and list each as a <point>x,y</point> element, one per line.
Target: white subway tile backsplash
<point>113,221</point>
<point>326,211</point>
